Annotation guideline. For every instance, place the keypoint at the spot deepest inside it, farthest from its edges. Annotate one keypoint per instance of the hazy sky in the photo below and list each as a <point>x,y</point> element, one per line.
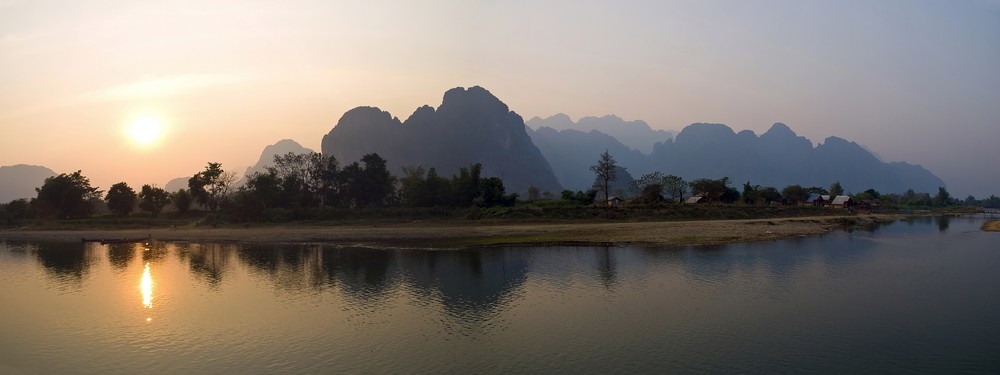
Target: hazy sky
<point>915,81</point>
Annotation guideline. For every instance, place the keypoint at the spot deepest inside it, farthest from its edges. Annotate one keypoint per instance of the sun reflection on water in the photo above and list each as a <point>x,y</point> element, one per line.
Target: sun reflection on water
<point>147,288</point>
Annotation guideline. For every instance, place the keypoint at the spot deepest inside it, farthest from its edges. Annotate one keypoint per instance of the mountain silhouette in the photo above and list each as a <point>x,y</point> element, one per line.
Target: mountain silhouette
<point>777,158</point>
<point>19,181</point>
<point>637,134</point>
<point>470,126</point>
<point>282,147</point>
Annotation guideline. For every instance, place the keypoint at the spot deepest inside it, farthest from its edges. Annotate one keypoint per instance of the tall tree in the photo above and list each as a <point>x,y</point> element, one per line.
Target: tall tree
<point>605,172</point>
<point>66,196</point>
<point>794,194</point>
<point>836,189</point>
<point>121,199</point>
<point>210,187</point>
<point>942,198</point>
<point>152,199</point>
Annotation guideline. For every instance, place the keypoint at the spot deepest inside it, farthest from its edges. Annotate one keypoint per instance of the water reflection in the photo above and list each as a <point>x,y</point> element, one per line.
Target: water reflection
<point>146,285</point>
<point>66,262</point>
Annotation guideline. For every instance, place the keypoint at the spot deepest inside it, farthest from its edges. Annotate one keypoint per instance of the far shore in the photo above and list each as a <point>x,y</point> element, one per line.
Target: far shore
<point>430,235</point>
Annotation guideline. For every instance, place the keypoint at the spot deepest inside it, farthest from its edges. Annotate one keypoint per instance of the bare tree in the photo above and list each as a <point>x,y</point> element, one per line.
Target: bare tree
<point>605,171</point>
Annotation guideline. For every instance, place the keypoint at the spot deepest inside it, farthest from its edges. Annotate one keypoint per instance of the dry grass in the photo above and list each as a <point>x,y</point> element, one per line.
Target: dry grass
<point>992,226</point>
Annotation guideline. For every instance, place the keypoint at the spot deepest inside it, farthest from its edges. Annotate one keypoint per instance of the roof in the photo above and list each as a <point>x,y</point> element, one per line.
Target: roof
<point>614,198</point>
<point>695,199</point>
<point>825,197</point>
<point>841,199</point>
<point>814,197</point>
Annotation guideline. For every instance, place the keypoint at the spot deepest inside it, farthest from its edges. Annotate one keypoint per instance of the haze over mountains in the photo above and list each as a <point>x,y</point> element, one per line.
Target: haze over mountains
<point>19,181</point>
<point>636,134</point>
<point>776,158</point>
<point>473,126</point>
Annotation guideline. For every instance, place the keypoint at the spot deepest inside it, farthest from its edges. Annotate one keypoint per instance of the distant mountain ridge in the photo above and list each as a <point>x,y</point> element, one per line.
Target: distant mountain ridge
<point>470,126</point>
<point>636,134</point>
<point>778,158</point>
<point>266,159</point>
<point>20,180</point>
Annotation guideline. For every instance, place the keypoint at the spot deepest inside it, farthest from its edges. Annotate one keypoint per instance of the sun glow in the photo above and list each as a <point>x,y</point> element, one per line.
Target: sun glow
<point>145,130</point>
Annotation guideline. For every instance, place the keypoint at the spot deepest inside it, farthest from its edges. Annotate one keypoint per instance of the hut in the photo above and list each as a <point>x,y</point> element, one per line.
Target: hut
<point>842,201</point>
<point>814,200</point>
<point>695,200</point>
<point>614,201</point>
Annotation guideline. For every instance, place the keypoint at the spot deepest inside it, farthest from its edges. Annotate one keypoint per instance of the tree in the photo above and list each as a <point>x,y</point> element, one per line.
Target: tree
<point>121,199</point>
<point>715,189</point>
<point>605,171</point>
<point>649,187</point>
<point>152,199</point>
<point>836,189</point>
<point>493,192</point>
<point>210,187</point>
<point>322,180</point>
<point>66,196</point>
<point>182,200</point>
<point>942,198</point>
<point>368,186</point>
<point>674,187</point>
<point>533,193</point>
<point>795,194</point>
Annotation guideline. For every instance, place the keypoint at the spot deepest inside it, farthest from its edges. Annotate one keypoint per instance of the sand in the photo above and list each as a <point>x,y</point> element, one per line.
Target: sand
<point>475,234</point>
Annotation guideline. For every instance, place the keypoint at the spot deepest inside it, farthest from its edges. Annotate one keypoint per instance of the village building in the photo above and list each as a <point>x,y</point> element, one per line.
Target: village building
<point>695,200</point>
<point>815,200</point>
<point>614,201</point>
<point>842,201</point>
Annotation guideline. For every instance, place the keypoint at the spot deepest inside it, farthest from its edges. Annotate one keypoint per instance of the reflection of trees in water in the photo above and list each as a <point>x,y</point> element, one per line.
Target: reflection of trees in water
<point>67,262</point>
<point>473,286</point>
<point>155,251</point>
<point>206,261</point>
<point>121,254</point>
<point>943,222</point>
<point>289,268</point>
<point>362,274</point>
<point>606,267</point>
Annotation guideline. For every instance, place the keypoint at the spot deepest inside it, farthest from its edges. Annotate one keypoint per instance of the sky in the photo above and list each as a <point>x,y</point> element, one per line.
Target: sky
<point>915,81</point>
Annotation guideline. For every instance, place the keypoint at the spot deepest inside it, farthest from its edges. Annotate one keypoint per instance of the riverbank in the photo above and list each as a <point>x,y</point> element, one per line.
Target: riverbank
<point>992,226</point>
<point>452,235</point>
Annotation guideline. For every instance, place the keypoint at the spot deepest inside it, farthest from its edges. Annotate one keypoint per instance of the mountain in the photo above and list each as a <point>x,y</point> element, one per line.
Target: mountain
<point>283,147</point>
<point>19,181</point>
<point>177,184</point>
<point>777,158</point>
<point>637,134</point>
<point>571,153</point>
<point>470,126</point>
<point>780,158</point>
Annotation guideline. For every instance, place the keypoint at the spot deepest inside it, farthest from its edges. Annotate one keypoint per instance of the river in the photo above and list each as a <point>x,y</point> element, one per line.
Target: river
<point>917,296</point>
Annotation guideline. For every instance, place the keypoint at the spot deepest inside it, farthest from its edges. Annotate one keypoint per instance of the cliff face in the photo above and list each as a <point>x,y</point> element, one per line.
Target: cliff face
<point>470,126</point>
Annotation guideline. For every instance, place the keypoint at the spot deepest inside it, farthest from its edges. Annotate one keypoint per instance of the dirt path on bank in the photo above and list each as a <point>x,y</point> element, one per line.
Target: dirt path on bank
<point>475,234</point>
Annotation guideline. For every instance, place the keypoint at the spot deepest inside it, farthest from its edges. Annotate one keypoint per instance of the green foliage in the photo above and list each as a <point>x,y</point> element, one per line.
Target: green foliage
<point>836,189</point>
<point>152,199</point>
<point>942,198</point>
<point>649,187</point>
<point>795,194</point>
<point>66,196</point>
<point>121,199</point>
<point>579,197</point>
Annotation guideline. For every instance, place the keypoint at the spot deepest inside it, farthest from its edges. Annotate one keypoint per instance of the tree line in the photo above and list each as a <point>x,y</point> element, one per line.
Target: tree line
<point>296,182</point>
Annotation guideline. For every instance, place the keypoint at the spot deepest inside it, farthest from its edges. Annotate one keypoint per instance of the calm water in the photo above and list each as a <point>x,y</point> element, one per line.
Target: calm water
<point>918,296</point>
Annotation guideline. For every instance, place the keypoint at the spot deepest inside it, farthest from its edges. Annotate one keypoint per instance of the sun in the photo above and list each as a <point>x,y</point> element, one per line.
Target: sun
<point>145,130</point>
